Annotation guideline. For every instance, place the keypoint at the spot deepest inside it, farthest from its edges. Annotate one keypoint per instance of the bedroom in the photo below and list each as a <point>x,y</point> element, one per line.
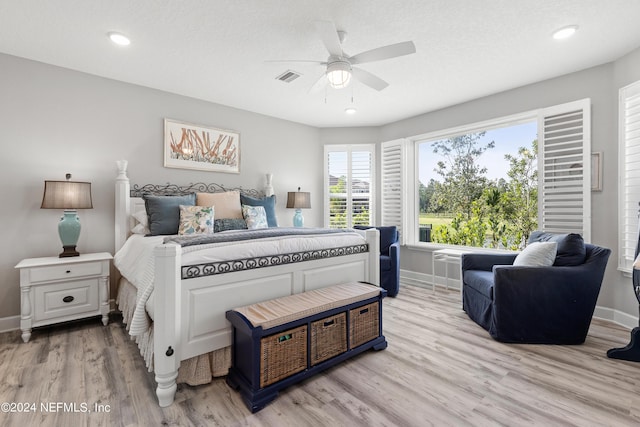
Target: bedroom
<point>56,120</point>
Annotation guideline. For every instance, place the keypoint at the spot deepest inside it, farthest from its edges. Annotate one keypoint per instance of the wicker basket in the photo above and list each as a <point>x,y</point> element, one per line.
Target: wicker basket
<point>328,337</point>
<point>364,324</point>
<point>283,355</point>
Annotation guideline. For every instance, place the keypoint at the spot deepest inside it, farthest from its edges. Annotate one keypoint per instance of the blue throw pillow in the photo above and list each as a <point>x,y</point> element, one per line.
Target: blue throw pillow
<point>268,203</point>
<point>164,212</point>
<point>571,248</point>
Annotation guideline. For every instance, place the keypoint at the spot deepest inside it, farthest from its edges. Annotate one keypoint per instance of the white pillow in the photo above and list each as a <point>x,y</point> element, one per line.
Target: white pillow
<point>537,254</point>
<point>142,226</point>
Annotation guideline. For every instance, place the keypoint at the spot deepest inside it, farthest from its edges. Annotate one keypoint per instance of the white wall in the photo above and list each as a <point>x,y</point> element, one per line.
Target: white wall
<point>54,121</point>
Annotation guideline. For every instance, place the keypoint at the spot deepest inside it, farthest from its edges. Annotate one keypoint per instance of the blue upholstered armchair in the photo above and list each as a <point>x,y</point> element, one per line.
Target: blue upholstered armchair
<point>535,305</point>
<point>389,259</point>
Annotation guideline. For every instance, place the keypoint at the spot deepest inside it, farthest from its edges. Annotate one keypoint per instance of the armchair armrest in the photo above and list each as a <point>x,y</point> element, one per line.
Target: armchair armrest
<point>479,261</point>
<point>394,255</point>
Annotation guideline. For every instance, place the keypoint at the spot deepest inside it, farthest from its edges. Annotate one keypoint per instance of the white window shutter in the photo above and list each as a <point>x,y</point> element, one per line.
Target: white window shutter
<point>564,169</point>
<point>349,185</point>
<point>629,173</point>
<point>394,189</point>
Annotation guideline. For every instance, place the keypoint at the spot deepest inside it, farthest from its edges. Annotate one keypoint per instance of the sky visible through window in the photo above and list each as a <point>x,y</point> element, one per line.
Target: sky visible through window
<point>507,139</point>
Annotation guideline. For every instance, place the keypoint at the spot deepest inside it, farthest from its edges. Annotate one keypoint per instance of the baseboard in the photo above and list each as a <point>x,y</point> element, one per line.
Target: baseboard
<point>616,316</point>
<point>621,318</point>
<point>12,323</point>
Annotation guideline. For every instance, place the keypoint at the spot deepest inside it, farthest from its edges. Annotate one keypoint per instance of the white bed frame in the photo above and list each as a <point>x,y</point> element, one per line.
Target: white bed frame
<point>190,314</point>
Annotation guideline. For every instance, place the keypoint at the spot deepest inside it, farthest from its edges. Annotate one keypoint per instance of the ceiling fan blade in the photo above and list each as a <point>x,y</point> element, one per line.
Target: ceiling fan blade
<point>329,35</point>
<point>319,84</point>
<point>385,52</point>
<point>369,79</point>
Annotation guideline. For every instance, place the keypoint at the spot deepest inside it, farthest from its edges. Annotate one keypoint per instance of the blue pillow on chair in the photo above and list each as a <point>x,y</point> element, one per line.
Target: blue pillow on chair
<point>571,248</point>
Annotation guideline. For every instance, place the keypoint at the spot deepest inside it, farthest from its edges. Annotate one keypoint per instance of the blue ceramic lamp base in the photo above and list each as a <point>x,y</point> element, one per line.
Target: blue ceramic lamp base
<point>69,231</point>
<point>298,220</point>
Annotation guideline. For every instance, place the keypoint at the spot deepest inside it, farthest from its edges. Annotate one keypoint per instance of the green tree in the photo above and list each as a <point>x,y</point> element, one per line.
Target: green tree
<point>463,178</point>
<point>520,200</point>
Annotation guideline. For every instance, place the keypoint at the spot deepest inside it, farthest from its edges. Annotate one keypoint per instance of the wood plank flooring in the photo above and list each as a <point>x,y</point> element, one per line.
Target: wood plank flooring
<point>440,369</point>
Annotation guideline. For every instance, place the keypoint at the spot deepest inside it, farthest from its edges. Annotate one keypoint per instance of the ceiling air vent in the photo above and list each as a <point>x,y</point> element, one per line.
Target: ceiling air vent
<point>288,76</point>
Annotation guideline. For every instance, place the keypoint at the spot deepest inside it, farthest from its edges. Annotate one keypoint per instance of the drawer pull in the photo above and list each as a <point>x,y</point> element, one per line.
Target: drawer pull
<point>68,298</point>
<point>68,271</point>
<point>366,310</point>
<point>329,323</point>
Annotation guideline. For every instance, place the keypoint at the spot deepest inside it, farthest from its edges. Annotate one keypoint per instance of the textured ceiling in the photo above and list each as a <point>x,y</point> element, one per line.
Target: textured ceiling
<point>218,50</point>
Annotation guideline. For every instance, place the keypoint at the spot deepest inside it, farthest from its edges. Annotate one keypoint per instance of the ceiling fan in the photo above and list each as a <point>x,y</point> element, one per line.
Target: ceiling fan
<point>340,66</point>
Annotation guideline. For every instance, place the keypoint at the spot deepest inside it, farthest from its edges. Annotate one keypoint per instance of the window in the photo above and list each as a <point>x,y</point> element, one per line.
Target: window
<point>629,149</point>
<point>499,200</point>
<point>349,178</point>
<point>479,188</point>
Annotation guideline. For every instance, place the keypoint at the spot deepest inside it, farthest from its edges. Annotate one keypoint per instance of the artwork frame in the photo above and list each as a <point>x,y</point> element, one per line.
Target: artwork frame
<point>596,171</point>
<point>200,147</point>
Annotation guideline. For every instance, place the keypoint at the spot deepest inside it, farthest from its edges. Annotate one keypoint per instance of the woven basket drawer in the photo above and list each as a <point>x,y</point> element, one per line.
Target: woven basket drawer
<point>283,355</point>
<point>364,324</point>
<point>328,337</point>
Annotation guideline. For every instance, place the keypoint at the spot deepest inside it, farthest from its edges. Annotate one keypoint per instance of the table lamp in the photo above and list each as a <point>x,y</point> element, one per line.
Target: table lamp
<point>298,200</point>
<point>68,195</point>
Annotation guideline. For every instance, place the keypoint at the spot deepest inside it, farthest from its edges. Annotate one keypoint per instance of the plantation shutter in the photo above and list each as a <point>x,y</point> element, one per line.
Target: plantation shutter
<point>564,169</point>
<point>629,188</point>
<point>394,199</point>
<point>348,185</point>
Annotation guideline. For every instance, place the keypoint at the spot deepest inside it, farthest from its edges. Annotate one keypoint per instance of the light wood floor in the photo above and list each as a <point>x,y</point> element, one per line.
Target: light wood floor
<point>440,369</point>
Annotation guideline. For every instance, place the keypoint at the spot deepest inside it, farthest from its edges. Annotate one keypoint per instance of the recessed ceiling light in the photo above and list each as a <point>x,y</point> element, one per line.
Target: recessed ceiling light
<point>565,32</point>
<point>119,39</point>
<point>350,110</point>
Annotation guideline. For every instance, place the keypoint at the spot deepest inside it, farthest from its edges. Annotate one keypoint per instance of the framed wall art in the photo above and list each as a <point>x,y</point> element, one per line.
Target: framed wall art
<point>189,146</point>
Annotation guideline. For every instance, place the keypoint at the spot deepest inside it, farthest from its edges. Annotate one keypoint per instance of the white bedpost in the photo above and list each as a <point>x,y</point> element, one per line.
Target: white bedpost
<point>166,328</point>
<point>123,205</point>
<point>372,235</point>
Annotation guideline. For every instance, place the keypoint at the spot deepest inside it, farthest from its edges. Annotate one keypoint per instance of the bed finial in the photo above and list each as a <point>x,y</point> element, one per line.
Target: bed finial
<point>122,169</point>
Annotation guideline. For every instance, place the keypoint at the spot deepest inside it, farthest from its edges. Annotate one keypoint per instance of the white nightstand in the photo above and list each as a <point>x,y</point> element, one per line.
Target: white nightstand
<point>54,290</point>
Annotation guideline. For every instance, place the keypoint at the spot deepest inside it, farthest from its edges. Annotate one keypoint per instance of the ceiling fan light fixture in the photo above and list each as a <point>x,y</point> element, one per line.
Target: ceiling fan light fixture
<point>350,110</point>
<point>339,74</point>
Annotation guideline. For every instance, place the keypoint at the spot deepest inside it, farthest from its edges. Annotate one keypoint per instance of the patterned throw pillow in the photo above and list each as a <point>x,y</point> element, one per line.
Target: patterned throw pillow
<point>255,216</point>
<point>196,220</point>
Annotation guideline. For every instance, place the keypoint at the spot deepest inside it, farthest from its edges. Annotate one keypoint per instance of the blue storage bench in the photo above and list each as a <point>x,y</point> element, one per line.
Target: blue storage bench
<point>283,341</point>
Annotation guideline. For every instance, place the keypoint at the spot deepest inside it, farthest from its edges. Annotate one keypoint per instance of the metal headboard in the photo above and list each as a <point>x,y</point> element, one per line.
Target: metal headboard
<point>199,187</point>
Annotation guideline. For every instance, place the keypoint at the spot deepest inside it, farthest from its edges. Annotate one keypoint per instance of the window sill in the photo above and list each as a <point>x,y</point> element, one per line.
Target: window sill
<point>430,247</point>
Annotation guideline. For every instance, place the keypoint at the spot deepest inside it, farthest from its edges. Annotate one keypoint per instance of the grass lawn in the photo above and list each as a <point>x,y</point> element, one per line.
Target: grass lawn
<point>433,220</point>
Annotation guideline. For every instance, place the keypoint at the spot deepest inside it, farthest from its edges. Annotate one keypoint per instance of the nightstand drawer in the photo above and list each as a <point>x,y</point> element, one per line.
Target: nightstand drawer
<point>65,299</point>
<point>69,271</point>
